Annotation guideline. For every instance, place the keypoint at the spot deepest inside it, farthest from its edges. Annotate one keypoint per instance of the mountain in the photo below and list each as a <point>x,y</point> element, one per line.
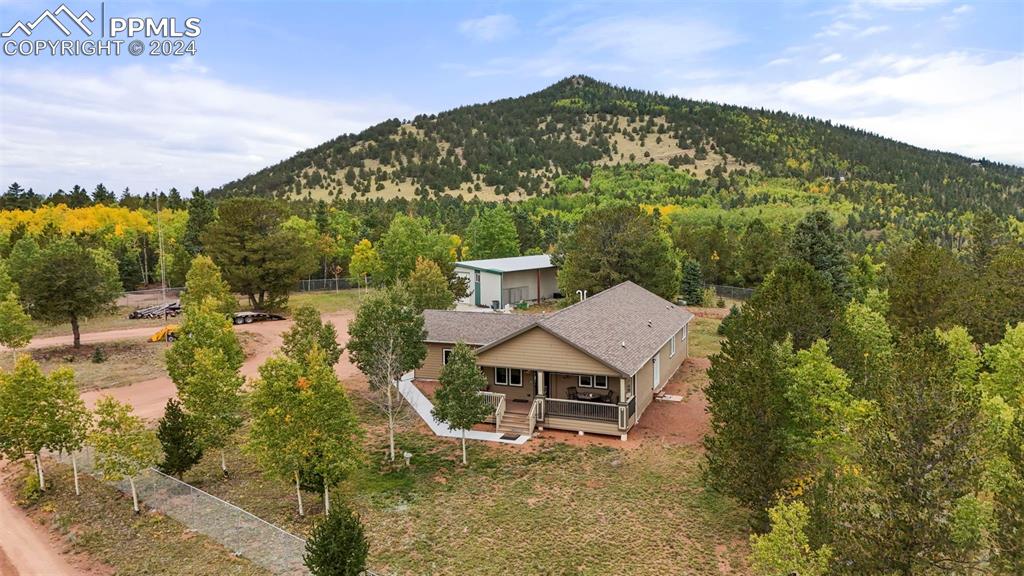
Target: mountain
<point>519,147</point>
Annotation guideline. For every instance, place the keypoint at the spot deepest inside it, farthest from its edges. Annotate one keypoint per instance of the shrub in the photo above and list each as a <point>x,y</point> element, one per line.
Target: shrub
<point>708,297</point>
<point>98,355</point>
<point>337,545</point>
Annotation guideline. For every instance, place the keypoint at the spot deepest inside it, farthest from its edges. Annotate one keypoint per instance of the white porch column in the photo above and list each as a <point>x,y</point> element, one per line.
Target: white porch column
<point>622,389</point>
<point>542,388</point>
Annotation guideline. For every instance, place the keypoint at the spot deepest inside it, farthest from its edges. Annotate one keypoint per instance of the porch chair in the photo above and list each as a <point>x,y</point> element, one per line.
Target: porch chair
<point>570,392</point>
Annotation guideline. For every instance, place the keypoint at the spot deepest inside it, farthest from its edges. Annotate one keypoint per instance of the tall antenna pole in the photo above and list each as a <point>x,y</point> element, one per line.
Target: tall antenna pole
<point>163,264</point>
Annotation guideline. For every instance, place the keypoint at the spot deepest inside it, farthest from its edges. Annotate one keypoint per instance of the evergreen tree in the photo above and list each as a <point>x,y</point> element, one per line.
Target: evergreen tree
<point>178,439</point>
<point>257,254</point>
<point>692,290</point>
<point>616,242</point>
<point>66,283</point>
<point>816,242</point>
<point>921,454</point>
<point>201,213</point>
<point>458,401</point>
<point>337,545</point>
<point>758,252</point>
<point>926,288</point>
<point>987,235</point>
<point>749,451</point>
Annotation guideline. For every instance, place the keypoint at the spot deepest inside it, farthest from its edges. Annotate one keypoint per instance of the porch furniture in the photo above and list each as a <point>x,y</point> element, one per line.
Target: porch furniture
<point>594,396</point>
<point>571,393</point>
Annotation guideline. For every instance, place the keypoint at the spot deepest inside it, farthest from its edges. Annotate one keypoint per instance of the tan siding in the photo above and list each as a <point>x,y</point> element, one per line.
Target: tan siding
<point>539,350</point>
<point>513,393</point>
<point>432,364</point>
<point>669,366</point>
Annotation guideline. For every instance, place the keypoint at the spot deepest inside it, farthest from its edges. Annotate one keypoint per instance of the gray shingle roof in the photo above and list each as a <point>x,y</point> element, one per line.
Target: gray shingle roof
<point>599,326</point>
<point>623,314</point>
<point>476,328</point>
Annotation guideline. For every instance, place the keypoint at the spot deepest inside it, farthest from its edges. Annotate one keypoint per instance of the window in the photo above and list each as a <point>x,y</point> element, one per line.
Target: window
<point>672,347</point>
<point>508,376</point>
<point>444,356</point>
<point>588,381</point>
<point>476,276</point>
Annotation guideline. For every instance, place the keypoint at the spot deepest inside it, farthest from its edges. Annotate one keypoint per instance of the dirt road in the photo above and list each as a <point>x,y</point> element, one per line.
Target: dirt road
<point>149,397</point>
<point>26,548</point>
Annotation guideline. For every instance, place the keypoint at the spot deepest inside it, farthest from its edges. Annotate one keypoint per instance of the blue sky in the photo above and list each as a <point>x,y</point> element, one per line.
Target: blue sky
<point>271,79</point>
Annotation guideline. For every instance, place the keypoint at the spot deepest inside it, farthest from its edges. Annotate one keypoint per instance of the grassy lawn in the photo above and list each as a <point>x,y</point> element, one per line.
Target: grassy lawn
<point>548,509</point>
<point>704,338</point>
<point>100,523</point>
<point>127,362</point>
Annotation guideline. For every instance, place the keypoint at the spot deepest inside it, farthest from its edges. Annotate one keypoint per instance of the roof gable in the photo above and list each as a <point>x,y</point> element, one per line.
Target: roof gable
<point>622,326</point>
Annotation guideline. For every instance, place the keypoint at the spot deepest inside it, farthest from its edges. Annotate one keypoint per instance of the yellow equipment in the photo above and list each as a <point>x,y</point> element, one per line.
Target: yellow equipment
<point>165,334</point>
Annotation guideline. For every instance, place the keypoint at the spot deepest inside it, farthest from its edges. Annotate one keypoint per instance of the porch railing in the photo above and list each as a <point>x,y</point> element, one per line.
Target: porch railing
<point>497,402</point>
<point>581,409</point>
<point>538,404</point>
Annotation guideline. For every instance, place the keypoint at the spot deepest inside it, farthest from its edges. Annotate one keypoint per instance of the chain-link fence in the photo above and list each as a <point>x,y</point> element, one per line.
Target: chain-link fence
<point>734,292</point>
<point>324,284</point>
<point>151,297</point>
<point>241,532</point>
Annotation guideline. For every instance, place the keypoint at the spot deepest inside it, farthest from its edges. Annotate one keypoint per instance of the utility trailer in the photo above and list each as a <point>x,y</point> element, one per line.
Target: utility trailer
<point>168,310</point>
<point>250,317</point>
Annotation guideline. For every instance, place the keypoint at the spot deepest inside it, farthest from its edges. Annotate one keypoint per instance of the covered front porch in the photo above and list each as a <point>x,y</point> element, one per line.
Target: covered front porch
<point>526,400</point>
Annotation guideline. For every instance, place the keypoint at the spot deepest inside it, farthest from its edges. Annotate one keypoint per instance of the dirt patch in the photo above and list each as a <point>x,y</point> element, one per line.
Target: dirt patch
<point>123,362</point>
<point>718,313</point>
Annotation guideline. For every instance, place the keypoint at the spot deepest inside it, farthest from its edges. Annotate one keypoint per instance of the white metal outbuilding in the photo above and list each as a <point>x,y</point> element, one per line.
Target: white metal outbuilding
<point>497,282</point>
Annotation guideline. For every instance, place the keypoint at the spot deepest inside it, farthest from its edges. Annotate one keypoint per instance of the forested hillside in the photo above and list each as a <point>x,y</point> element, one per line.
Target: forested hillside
<point>521,147</point>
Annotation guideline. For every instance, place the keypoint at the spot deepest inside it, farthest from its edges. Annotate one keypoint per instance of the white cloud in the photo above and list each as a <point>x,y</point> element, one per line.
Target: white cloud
<point>963,9</point>
<point>155,128</point>
<point>831,58</point>
<point>779,62</point>
<point>903,4</point>
<point>950,101</point>
<point>489,28</point>
<point>872,31</point>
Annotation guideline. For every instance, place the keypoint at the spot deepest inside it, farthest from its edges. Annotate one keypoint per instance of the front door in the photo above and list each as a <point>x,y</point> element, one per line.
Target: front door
<point>657,371</point>
<point>476,286</point>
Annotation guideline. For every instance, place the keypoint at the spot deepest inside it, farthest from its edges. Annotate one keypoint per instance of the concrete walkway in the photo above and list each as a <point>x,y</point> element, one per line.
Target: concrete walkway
<point>423,406</point>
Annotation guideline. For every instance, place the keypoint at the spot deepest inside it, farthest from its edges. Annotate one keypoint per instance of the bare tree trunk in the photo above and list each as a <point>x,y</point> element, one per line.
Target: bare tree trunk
<point>75,330</point>
<point>391,424</point>
<point>74,467</point>
<point>223,465</point>
<point>298,492</point>
<point>135,496</point>
<point>464,461</point>
<point>327,499</point>
<point>39,471</point>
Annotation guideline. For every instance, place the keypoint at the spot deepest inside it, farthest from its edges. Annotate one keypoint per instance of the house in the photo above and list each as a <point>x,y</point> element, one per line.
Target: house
<point>593,367</point>
<point>496,282</point>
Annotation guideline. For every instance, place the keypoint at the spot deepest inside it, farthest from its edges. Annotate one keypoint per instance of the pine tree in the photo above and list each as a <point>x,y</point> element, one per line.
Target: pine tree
<point>816,242</point>
<point>337,545</point>
<point>179,440</point>
<point>692,290</point>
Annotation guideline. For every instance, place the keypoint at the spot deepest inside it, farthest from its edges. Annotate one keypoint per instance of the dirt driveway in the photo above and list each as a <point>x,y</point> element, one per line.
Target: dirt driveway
<point>149,397</point>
